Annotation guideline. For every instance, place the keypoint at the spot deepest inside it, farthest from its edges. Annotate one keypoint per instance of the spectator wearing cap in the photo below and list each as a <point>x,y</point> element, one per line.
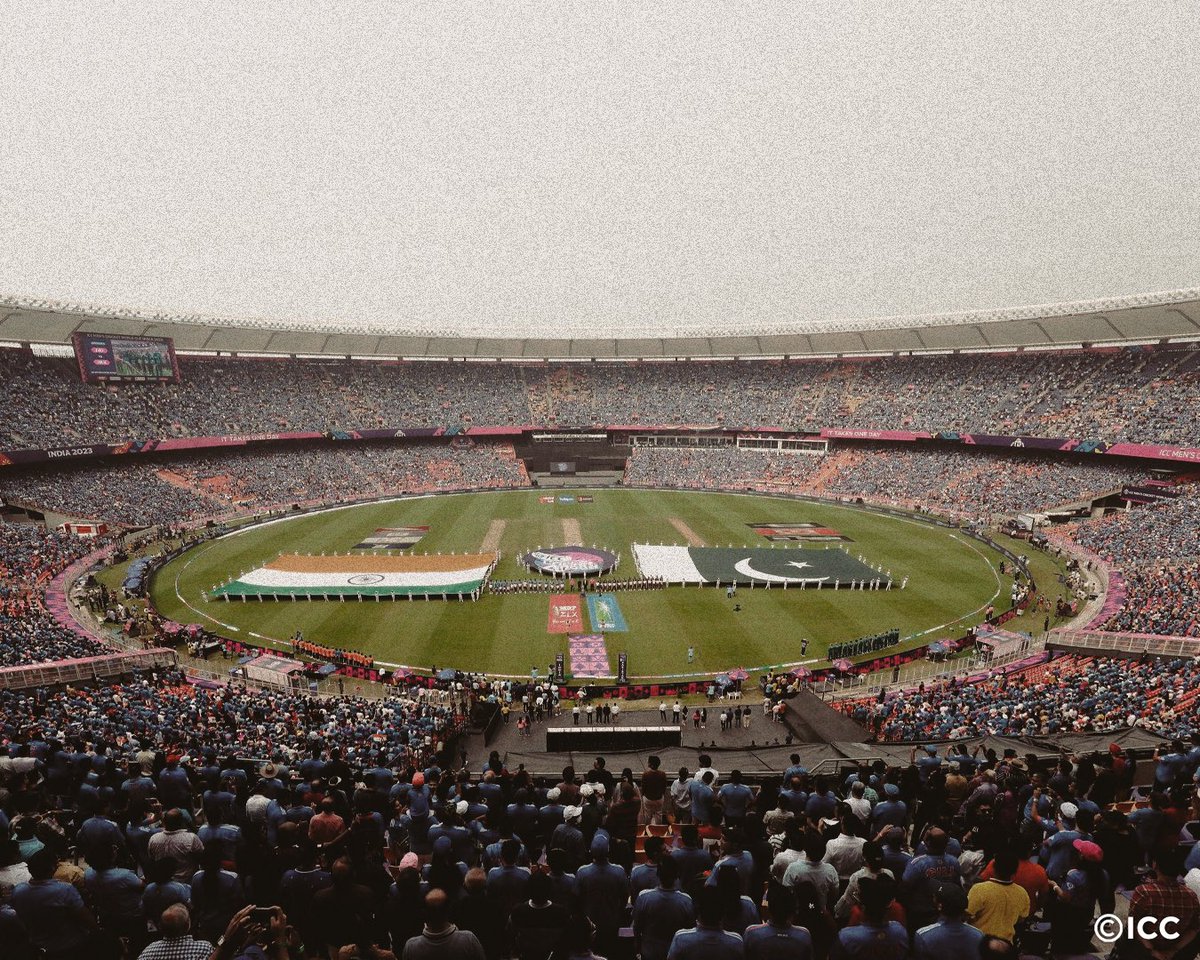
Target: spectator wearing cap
<point>951,937</point>
<point>603,889</point>
<point>568,838</point>
<point>890,811</point>
<point>550,814</point>
<point>1058,846</point>
<point>927,762</point>
<point>1074,902</point>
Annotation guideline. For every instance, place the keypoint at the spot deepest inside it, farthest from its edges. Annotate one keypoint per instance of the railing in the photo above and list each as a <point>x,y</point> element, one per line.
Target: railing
<point>1137,643</point>
<point>927,672</point>
<point>84,669</point>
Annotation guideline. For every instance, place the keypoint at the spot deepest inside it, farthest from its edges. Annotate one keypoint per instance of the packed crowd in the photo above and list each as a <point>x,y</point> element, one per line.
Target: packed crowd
<point>1134,395</point>
<point>973,482</point>
<point>969,482</point>
<point>1156,547</point>
<point>727,468</point>
<point>372,857</point>
<point>29,556</point>
<point>163,711</point>
<point>1071,694</point>
<point>1162,600</point>
<point>158,490</point>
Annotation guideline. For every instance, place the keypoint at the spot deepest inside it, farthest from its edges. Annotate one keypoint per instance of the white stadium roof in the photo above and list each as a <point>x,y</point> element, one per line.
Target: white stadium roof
<point>588,180</point>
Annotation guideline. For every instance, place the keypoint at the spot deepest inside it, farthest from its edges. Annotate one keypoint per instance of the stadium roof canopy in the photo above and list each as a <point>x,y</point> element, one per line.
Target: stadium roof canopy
<point>1134,320</point>
<point>590,180</point>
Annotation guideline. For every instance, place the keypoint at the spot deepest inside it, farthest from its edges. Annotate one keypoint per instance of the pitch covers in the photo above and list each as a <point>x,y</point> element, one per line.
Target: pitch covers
<point>392,538</point>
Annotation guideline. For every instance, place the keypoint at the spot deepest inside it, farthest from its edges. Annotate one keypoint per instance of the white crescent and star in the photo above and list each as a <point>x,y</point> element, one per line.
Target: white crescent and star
<point>746,570</point>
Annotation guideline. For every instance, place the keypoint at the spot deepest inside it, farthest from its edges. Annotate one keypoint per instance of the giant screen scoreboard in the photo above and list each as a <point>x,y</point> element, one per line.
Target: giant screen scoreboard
<point>105,357</point>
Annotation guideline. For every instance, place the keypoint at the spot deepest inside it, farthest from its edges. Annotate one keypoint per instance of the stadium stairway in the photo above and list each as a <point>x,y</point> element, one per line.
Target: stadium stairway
<point>812,720</point>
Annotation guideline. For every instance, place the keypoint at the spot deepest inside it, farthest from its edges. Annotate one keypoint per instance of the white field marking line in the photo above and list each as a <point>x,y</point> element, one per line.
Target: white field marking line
<point>491,543</point>
<point>687,532</point>
<point>572,532</point>
<point>200,613</point>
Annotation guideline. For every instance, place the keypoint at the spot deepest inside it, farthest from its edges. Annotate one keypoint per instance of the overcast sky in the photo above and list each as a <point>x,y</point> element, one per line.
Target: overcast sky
<point>612,169</point>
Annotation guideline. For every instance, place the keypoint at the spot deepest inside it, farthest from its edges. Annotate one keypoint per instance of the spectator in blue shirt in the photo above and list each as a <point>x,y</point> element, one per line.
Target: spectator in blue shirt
<point>116,897</point>
<point>603,892</point>
<point>701,794</point>
<point>706,940</point>
<point>659,913</point>
<point>735,798</point>
<point>779,939</point>
<point>951,937</point>
<point>876,938</point>
<point>692,858</point>
<point>53,912</point>
<point>508,883</point>
<point>924,875</point>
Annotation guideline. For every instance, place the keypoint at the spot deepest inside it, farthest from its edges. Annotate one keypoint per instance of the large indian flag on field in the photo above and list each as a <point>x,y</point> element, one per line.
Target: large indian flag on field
<point>294,575</point>
<point>758,566</point>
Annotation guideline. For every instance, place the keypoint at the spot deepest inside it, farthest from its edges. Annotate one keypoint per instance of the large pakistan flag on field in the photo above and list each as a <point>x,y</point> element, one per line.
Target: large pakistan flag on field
<point>754,565</point>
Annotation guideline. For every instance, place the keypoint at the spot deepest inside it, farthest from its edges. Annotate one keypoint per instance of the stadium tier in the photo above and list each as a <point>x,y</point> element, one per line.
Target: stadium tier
<point>1135,395</point>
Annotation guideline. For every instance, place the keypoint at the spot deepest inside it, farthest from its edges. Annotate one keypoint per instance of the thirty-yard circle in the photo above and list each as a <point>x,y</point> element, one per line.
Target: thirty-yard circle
<point>400,580</point>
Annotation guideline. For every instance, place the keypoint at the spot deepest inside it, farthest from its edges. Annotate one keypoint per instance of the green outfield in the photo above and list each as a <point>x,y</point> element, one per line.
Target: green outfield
<point>951,579</point>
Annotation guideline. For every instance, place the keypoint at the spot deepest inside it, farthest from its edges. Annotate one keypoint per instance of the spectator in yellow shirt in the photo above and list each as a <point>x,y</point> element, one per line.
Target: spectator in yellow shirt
<point>998,905</point>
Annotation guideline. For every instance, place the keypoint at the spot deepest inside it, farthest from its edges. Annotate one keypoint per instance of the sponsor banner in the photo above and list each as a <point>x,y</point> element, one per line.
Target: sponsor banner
<point>392,538</point>
<point>605,613</point>
<point>1148,493</point>
<point>1160,452</point>
<point>575,561</point>
<point>585,499</point>
<point>566,499</point>
<point>758,566</point>
<point>838,433</point>
<point>194,443</point>
<point>589,655</point>
<point>549,499</point>
<point>296,575</point>
<point>796,532</point>
<point>566,614</point>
